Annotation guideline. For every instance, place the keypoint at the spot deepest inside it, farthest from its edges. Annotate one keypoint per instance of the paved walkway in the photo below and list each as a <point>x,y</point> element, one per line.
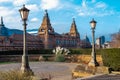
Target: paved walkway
<point>58,71</point>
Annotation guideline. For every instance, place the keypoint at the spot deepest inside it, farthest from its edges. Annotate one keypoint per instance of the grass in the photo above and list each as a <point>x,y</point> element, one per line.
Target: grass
<point>15,75</point>
<point>18,75</point>
<point>6,62</point>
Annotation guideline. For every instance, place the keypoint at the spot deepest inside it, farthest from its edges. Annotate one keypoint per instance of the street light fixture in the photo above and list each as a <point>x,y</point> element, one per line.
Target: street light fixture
<point>93,61</point>
<point>25,63</point>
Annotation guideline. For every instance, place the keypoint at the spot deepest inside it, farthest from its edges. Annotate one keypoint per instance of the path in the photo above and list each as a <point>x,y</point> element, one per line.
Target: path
<point>58,71</point>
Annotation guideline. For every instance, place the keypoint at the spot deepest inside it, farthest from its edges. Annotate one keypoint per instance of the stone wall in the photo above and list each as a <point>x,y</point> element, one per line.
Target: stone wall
<point>71,58</point>
<point>17,58</point>
<point>86,58</point>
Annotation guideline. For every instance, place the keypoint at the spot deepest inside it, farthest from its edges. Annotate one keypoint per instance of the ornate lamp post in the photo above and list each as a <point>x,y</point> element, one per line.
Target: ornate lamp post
<point>25,63</point>
<point>93,61</point>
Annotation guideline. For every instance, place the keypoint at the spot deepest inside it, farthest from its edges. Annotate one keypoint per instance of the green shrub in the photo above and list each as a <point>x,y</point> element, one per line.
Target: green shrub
<point>59,58</point>
<point>60,53</point>
<point>111,58</point>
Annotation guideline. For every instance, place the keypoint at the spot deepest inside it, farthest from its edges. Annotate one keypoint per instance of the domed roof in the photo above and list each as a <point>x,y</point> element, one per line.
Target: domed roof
<point>3,29</point>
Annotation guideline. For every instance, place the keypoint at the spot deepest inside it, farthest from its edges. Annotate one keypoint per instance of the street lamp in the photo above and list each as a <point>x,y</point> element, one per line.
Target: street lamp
<point>93,61</point>
<point>25,63</point>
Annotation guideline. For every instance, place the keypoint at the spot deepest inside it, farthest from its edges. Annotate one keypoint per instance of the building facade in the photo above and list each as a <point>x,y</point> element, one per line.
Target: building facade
<point>51,39</point>
<point>100,42</point>
<point>46,38</point>
<point>85,43</point>
<point>12,39</point>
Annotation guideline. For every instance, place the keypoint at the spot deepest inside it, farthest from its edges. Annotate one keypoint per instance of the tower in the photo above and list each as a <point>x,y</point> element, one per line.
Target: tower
<point>74,33</point>
<point>86,39</point>
<point>73,30</point>
<point>46,25</point>
<point>46,32</point>
<point>86,42</point>
<point>2,24</point>
<point>3,29</point>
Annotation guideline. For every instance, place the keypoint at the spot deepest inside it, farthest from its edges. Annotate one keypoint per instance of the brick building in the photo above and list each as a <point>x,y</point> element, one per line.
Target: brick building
<point>47,37</point>
<point>52,39</point>
<point>12,39</point>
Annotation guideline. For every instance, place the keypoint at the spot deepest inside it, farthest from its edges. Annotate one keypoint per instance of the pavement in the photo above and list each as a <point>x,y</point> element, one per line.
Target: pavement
<point>55,70</point>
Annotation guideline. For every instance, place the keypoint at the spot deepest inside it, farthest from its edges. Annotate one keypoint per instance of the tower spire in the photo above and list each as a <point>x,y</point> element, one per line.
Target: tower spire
<point>46,11</point>
<point>2,24</point>
<point>46,14</point>
<point>73,30</point>
<point>46,25</point>
<point>73,20</point>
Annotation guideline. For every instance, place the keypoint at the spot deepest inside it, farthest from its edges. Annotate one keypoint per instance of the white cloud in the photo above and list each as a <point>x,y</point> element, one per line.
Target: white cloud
<point>93,1</point>
<point>5,11</point>
<point>49,4</point>
<point>20,2</point>
<point>101,5</point>
<point>32,7</point>
<point>97,9</point>
<point>11,16</point>
<point>1,1</point>
<point>85,12</point>
<point>34,19</point>
<point>84,3</point>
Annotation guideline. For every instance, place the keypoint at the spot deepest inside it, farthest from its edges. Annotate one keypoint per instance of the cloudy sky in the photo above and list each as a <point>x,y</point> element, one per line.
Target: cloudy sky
<point>61,12</point>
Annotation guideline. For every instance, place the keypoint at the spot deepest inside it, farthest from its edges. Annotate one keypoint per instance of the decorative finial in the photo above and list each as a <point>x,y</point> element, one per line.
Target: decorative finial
<point>23,5</point>
<point>46,11</point>
<point>93,21</point>
<point>86,34</point>
<point>73,19</point>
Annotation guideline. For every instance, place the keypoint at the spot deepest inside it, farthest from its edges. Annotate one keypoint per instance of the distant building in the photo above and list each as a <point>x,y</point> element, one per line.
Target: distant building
<point>107,45</point>
<point>85,43</point>
<point>100,42</point>
<point>115,42</point>
<point>12,39</point>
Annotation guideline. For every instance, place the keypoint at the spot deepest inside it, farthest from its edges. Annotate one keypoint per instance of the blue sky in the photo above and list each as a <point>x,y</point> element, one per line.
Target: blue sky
<point>61,12</point>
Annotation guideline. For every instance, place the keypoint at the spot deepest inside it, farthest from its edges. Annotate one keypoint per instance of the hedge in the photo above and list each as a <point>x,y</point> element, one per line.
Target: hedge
<point>48,51</point>
<point>20,52</point>
<point>111,58</point>
<point>83,51</point>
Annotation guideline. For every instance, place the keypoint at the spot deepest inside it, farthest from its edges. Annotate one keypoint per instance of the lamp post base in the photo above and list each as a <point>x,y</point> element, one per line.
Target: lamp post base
<point>27,71</point>
<point>25,65</point>
<point>24,70</point>
<point>93,63</point>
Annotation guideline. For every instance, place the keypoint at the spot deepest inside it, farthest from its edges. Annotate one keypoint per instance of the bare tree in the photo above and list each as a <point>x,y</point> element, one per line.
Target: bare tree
<point>116,40</point>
